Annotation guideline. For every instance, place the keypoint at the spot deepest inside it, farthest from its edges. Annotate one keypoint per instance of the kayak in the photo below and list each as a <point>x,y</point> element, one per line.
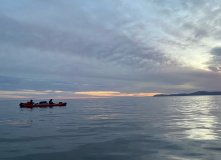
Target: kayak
<point>41,104</point>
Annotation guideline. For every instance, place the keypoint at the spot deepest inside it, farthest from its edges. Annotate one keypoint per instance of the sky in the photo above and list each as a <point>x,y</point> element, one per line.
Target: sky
<point>105,48</point>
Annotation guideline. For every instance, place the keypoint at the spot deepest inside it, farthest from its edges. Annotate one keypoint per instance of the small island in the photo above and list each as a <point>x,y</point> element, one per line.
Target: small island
<point>198,93</point>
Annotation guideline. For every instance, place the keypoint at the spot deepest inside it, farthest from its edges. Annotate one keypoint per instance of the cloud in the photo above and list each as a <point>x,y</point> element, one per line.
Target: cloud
<point>127,47</point>
<point>215,63</point>
<point>80,53</point>
<point>216,51</point>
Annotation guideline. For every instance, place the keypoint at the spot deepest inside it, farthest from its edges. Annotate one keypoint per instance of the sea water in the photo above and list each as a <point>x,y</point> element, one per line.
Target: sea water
<point>147,128</point>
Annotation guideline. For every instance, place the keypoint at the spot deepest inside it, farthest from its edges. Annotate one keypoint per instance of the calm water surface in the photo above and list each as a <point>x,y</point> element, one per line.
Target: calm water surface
<point>153,128</point>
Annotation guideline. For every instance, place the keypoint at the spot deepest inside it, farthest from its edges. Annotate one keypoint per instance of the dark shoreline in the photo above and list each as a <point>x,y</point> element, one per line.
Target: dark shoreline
<point>198,93</point>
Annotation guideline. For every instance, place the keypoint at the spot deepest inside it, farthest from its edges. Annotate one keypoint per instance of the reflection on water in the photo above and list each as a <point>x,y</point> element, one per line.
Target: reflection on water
<point>150,128</point>
<point>107,116</point>
<point>19,123</point>
<point>195,117</point>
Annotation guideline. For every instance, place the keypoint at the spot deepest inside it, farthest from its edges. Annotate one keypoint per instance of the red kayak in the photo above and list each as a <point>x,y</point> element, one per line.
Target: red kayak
<point>41,104</point>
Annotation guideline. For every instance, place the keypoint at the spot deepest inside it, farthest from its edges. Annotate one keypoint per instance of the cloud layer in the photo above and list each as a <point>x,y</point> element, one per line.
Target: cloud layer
<point>124,46</point>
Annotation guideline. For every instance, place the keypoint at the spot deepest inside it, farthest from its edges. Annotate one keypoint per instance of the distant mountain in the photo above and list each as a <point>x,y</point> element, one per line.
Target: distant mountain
<point>198,93</point>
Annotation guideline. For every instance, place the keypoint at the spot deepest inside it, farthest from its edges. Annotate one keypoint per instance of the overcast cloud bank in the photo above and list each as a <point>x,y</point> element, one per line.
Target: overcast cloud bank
<point>128,47</point>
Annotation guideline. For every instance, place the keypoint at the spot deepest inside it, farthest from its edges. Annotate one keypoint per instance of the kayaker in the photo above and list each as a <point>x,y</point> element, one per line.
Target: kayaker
<point>50,102</point>
<point>31,102</point>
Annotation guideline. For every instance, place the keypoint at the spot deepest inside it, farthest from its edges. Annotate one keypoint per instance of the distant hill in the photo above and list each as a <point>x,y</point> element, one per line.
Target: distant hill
<point>198,93</point>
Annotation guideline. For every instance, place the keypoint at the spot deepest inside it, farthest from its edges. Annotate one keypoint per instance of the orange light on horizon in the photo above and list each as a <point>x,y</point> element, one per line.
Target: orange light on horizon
<point>115,94</point>
<point>69,94</point>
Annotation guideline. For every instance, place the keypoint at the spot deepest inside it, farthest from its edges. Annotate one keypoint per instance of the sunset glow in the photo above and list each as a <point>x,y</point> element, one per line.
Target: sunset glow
<point>115,94</point>
<point>69,95</point>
